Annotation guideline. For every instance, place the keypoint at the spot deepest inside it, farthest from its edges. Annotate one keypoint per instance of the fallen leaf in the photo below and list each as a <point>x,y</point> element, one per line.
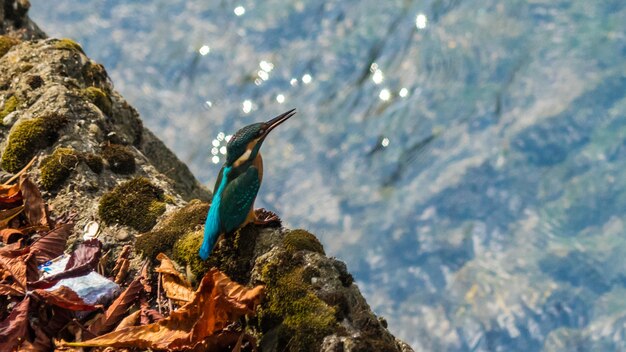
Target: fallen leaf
<point>34,206</point>
<point>145,278</point>
<point>122,264</point>
<point>65,298</point>
<point>174,283</point>
<point>117,309</point>
<point>7,215</point>
<point>210,312</point>
<point>10,235</point>
<point>10,193</point>
<point>15,327</point>
<point>128,321</point>
<point>148,315</point>
<point>52,244</point>
<point>11,290</point>
<point>221,342</point>
<point>19,264</point>
<point>42,342</point>
<point>82,261</point>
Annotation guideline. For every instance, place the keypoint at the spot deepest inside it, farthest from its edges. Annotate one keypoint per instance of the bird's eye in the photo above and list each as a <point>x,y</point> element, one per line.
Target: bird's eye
<point>261,131</point>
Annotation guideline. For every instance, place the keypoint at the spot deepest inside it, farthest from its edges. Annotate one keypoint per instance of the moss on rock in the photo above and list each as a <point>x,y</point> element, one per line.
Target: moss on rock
<point>94,162</point>
<point>235,254</point>
<point>28,137</point>
<point>56,168</point>
<point>9,106</point>
<point>120,158</point>
<point>185,252</point>
<point>292,312</point>
<point>6,43</point>
<point>34,81</point>
<point>302,240</point>
<point>68,44</point>
<point>136,203</point>
<point>171,228</point>
<point>95,74</point>
<point>99,98</point>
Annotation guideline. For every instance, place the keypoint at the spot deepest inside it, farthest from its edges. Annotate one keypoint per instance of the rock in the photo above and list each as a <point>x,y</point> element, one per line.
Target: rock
<point>96,160</point>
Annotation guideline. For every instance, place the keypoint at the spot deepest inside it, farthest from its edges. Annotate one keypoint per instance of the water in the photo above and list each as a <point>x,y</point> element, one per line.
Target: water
<point>465,158</point>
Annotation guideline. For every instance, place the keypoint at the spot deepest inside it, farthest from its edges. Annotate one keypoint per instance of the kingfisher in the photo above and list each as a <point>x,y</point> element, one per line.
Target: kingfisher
<point>238,183</point>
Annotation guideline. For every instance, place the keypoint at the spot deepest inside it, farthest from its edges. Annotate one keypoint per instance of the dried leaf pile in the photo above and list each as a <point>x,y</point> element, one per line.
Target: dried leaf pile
<point>34,317</point>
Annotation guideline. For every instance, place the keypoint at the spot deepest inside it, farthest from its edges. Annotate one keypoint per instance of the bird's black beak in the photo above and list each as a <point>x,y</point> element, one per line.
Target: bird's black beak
<point>271,124</point>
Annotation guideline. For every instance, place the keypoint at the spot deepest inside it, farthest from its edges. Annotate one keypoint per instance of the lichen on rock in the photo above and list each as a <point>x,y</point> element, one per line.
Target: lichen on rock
<point>136,203</point>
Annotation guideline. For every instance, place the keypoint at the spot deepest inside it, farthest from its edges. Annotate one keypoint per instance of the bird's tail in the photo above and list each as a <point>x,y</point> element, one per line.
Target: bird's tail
<point>211,232</point>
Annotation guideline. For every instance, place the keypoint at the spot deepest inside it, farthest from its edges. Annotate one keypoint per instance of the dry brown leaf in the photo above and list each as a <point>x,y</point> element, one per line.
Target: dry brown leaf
<point>209,313</point>
<point>34,206</point>
<point>42,342</point>
<point>10,235</point>
<point>66,298</point>
<point>148,315</point>
<point>175,285</point>
<point>20,264</point>
<point>52,244</point>
<point>15,327</point>
<point>10,193</point>
<point>145,278</point>
<point>122,264</point>
<point>117,309</point>
<point>129,320</point>
<point>11,290</point>
<point>122,271</point>
<point>7,215</point>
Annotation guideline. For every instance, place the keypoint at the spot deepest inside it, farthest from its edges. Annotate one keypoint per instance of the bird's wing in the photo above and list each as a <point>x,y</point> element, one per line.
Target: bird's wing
<point>238,199</point>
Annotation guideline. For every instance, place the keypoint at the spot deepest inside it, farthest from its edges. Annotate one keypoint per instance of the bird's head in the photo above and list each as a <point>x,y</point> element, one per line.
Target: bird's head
<point>245,143</point>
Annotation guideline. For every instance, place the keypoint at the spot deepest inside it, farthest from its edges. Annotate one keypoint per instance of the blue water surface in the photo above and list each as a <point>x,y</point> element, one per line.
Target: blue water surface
<point>465,158</point>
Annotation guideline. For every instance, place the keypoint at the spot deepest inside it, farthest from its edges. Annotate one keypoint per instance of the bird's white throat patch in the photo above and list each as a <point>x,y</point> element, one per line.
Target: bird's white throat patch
<point>243,158</point>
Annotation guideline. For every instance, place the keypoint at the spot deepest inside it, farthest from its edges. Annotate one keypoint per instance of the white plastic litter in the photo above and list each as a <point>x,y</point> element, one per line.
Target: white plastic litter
<point>93,288</point>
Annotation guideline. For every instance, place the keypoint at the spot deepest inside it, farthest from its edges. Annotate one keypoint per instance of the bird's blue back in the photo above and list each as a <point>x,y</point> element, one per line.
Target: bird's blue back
<point>212,228</point>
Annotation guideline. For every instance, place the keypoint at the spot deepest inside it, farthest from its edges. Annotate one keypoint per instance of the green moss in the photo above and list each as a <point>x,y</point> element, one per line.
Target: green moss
<point>56,168</point>
<point>94,162</point>
<point>171,228</point>
<point>185,252</point>
<point>120,159</point>
<point>6,43</point>
<point>302,240</point>
<point>136,203</point>
<point>28,137</point>
<point>68,44</point>
<point>299,320</point>
<point>9,106</point>
<point>235,254</point>
<point>99,98</point>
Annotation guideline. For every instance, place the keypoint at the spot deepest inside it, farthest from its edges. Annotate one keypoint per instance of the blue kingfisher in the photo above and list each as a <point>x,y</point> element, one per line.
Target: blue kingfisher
<point>238,183</point>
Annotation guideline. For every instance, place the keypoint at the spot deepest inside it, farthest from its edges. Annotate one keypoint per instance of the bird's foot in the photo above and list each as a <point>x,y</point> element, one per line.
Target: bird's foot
<point>266,218</point>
